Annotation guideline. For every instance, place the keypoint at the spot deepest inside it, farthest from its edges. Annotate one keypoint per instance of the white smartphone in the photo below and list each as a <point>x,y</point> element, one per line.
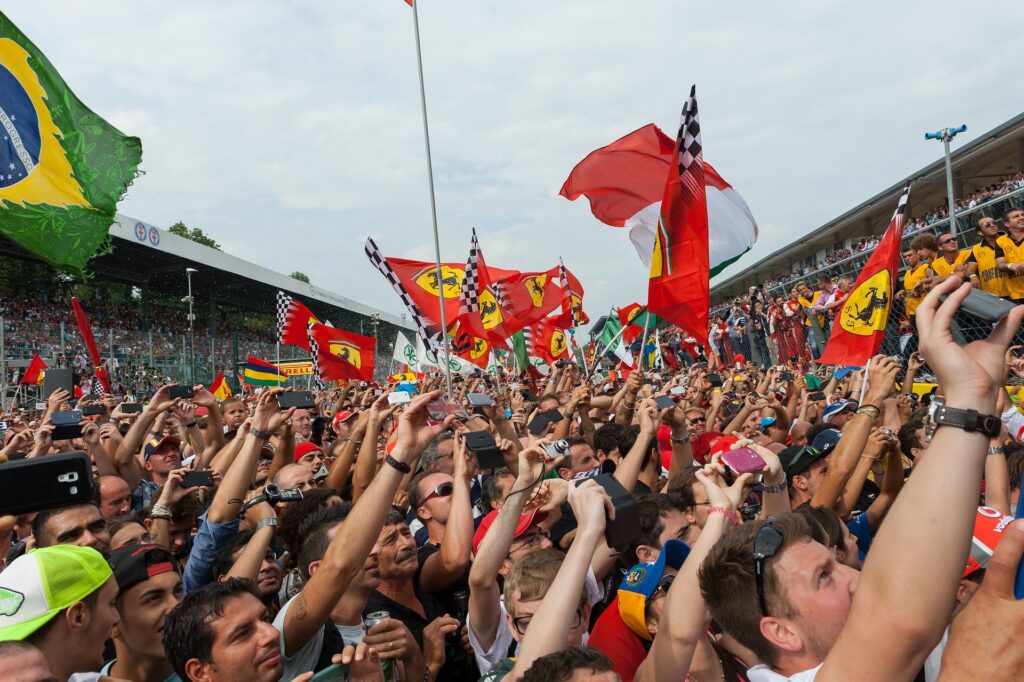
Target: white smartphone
<point>399,398</point>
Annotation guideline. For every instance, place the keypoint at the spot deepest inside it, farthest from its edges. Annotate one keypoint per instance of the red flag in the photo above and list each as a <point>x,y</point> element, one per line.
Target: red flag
<point>480,310</point>
<point>470,348</point>
<point>626,314</point>
<point>344,355</point>
<point>90,344</point>
<point>572,315</point>
<point>526,297</point>
<point>549,342</point>
<point>678,289</point>
<point>859,328</point>
<point>34,371</point>
<point>292,320</point>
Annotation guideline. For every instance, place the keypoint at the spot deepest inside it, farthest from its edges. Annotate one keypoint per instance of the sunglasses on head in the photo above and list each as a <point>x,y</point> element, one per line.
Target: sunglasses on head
<point>443,490</point>
<point>767,542</point>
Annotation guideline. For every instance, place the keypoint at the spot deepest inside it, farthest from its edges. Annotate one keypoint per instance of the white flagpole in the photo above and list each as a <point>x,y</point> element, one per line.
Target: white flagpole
<point>604,350</point>
<point>433,203</point>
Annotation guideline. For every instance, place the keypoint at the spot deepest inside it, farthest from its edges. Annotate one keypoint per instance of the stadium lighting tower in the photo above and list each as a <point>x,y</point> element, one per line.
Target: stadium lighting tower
<point>947,134</point>
<point>191,331</point>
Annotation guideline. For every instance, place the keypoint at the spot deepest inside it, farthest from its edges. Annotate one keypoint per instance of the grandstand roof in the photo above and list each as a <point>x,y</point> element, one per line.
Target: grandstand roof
<point>980,162</point>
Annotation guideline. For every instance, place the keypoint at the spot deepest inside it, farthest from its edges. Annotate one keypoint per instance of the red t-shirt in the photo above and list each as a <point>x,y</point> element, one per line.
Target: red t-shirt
<point>612,636</point>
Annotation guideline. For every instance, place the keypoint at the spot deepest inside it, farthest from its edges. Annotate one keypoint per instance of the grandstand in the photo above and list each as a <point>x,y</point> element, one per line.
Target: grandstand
<point>987,179</point>
<point>234,298</point>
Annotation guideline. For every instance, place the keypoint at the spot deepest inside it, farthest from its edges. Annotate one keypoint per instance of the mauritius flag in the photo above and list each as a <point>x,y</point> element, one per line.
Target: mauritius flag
<point>262,373</point>
<point>62,168</point>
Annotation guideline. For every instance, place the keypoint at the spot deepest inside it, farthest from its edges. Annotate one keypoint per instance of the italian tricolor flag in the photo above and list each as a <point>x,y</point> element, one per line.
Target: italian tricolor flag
<point>625,181</point>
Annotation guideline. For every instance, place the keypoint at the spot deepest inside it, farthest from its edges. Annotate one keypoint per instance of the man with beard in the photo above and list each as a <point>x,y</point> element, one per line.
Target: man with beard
<point>149,586</point>
<point>80,525</point>
<point>302,423</point>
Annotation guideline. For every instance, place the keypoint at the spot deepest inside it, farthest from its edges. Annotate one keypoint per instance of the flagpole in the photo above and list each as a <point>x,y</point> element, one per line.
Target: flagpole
<point>433,202</point>
<point>643,340</point>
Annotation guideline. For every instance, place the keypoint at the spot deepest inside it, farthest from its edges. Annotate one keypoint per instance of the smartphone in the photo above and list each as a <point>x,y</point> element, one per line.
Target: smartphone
<point>479,399</point>
<point>55,379</point>
<point>985,306</point>
<point>786,376</point>
<point>31,485</point>
<point>664,402</point>
<point>195,479</point>
<point>175,392</point>
<point>677,390</point>
<point>338,672</point>
<point>715,380</point>
<point>626,525</point>
<point>399,398</point>
<point>482,443</point>
<point>93,410</point>
<point>538,424</point>
<point>378,391</point>
<point>131,408</point>
<point>816,396</point>
<point>66,417</point>
<point>743,460</point>
<point>439,409</point>
<point>301,399</point>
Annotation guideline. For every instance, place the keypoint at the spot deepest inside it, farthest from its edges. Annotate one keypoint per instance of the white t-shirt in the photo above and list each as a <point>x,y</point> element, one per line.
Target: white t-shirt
<point>762,673</point>
<point>933,664</point>
<point>351,634</point>
<point>306,657</point>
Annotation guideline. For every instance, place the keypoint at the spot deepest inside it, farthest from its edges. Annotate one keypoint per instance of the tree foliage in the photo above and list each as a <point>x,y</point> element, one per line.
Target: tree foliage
<point>301,276</point>
<point>195,234</point>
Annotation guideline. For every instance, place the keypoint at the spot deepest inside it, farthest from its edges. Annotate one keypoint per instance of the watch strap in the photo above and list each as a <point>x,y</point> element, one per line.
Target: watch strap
<point>968,420</point>
<point>269,521</point>
<point>262,435</point>
<point>395,464</point>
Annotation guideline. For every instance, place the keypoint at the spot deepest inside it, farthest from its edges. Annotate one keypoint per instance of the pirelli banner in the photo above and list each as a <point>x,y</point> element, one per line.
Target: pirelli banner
<point>296,368</point>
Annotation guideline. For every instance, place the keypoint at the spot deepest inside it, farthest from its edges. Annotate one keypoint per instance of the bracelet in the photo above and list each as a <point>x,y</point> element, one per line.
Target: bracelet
<point>191,424</point>
<point>260,435</point>
<point>680,441</point>
<point>395,464</point>
<point>778,487</point>
<point>996,451</point>
<point>730,514</point>
<point>873,459</point>
<point>267,522</point>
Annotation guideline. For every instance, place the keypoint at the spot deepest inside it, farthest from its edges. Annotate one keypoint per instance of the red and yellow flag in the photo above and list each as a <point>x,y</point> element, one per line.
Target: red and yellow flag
<point>219,388</point>
<point>34,372</point>
<point>859,328</point>
<point>344,355</point>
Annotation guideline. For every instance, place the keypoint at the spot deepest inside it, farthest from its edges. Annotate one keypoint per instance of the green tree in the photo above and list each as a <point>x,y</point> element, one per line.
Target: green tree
<point>301,276</point>
<point>195,234</point>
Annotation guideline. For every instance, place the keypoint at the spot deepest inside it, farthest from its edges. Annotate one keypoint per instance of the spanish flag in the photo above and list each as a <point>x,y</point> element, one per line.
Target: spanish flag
<point>219,388</point>
<point>34,372</point>
<point>262,373</point>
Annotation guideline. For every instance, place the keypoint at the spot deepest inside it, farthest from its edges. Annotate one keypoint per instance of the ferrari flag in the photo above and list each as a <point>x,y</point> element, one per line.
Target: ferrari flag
<point>342,354</point>
<point>62,168</point>
<point>859,328</point>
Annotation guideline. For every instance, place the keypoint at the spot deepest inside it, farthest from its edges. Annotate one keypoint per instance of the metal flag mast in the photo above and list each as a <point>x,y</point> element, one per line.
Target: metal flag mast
<point>433,203</point>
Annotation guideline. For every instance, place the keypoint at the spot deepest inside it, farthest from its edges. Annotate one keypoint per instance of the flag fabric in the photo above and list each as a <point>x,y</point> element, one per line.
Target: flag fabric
<point>90,344</point>
<point>636,318</point>
<point>64,168</point>
<point>344,355</point>
<point>314,349</point>
<point>34,371</point>
<point>479,311</point>
<point>262,373</point>
<point>612,342</point>
<point>406,353</point>
<point>678,289</point>
<point>548,342</point>
<point>219,388</point>
<point>625,181</point>
<point>859,328</point>
<point>400,377</point>
<point>293,319</point>
<point>469,347</point>
<point>572,314</point>
<point>526,298</point>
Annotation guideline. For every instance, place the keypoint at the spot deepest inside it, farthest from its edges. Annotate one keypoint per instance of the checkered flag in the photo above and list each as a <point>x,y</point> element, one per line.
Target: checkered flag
<point>427,329</point>
<point>528,340</point>
<point>469,294</point>
<point>96,388</point>
<point>688,140</point>
<point>284,304</point>
<point>315,350</point>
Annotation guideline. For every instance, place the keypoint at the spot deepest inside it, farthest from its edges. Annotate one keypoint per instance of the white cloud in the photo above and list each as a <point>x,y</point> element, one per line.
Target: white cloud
<point>290,131</point>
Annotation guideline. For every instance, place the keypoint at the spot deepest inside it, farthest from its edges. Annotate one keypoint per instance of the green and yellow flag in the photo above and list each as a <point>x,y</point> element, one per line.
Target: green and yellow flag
<point>62,168</point>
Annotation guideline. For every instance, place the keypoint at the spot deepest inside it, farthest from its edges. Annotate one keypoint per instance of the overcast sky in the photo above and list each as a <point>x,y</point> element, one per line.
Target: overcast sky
<point>290,131</point>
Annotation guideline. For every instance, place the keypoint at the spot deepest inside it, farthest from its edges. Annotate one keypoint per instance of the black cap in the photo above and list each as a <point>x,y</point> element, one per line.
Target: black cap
<point>798,459</point>
<point>136,563</point>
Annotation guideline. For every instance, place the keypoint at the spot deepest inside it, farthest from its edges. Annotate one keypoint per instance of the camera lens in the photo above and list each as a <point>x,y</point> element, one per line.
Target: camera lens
<point>561,446</point>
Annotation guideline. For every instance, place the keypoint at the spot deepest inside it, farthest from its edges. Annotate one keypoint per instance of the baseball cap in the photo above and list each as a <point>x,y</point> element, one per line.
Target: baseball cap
<point>341,417</point>
<point>304,448</point>
<point>155,444</point>
<point>641,582</point>
<point>837,407</point>
<point>137,563</point>
<point>37,586</point>
<point>797,459</point>
<point>526,521</point>
<point>826,441</point>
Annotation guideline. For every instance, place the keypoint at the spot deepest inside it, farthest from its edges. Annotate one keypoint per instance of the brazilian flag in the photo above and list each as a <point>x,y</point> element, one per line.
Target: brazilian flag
<point>62,168</point>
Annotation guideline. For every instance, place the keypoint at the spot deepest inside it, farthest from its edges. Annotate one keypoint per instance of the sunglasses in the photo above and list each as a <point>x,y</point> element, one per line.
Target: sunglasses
<point>663,586</point>
<point>807,449</point>
<point>947,241</point>
<point>698,420</point>
<point>767,542</point>
<point>443,490</point>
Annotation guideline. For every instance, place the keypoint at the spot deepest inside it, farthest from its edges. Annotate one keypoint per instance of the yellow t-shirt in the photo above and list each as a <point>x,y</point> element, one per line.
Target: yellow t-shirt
<point>815,297</point>
<point>991,278</point>
<point>1013,251</point>
<point>911,278</point>
<point>943,268</point>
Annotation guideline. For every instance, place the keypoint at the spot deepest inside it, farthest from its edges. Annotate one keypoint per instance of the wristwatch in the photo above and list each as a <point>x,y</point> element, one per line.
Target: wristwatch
<point>968,420</point>
<point>400,466</point>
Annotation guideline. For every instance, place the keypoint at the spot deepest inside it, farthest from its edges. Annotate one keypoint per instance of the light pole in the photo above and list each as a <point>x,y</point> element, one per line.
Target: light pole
<point>191,331</point>
<point>947,134</point>
<point>375,322</point>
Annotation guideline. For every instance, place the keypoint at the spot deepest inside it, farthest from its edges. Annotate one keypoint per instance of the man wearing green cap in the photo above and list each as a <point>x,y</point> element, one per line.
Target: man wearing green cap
<point>61,600</point>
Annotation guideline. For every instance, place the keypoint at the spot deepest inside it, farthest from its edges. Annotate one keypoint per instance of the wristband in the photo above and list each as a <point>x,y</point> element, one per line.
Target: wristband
<point>730,515</point>
<point>778,487</point>
<point>269,521</point>
<point>191,424</point>
<point>395,464</point>
<point>260,435</point>
<point>996,451</point>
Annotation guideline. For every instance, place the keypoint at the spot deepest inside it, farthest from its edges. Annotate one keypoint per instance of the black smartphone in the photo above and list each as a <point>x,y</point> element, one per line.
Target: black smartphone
<point>55,379</point>
<point>301,399</point>
<point>66,417</point>
<point>93,410</point>
<point>715,380</point>
<point>195,479</point>
<point>786,376</point>
<point>175,392</point>
<point>816,396</point>
<point>488,456</point>
<point>31,485</point>
<point>131,408</point>
<point>985,306</point>
<point>664,402</point>
<point>626,525</point>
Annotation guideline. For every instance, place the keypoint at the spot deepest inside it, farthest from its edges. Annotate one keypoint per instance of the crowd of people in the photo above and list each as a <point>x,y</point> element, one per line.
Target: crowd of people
<point>714,519</point>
